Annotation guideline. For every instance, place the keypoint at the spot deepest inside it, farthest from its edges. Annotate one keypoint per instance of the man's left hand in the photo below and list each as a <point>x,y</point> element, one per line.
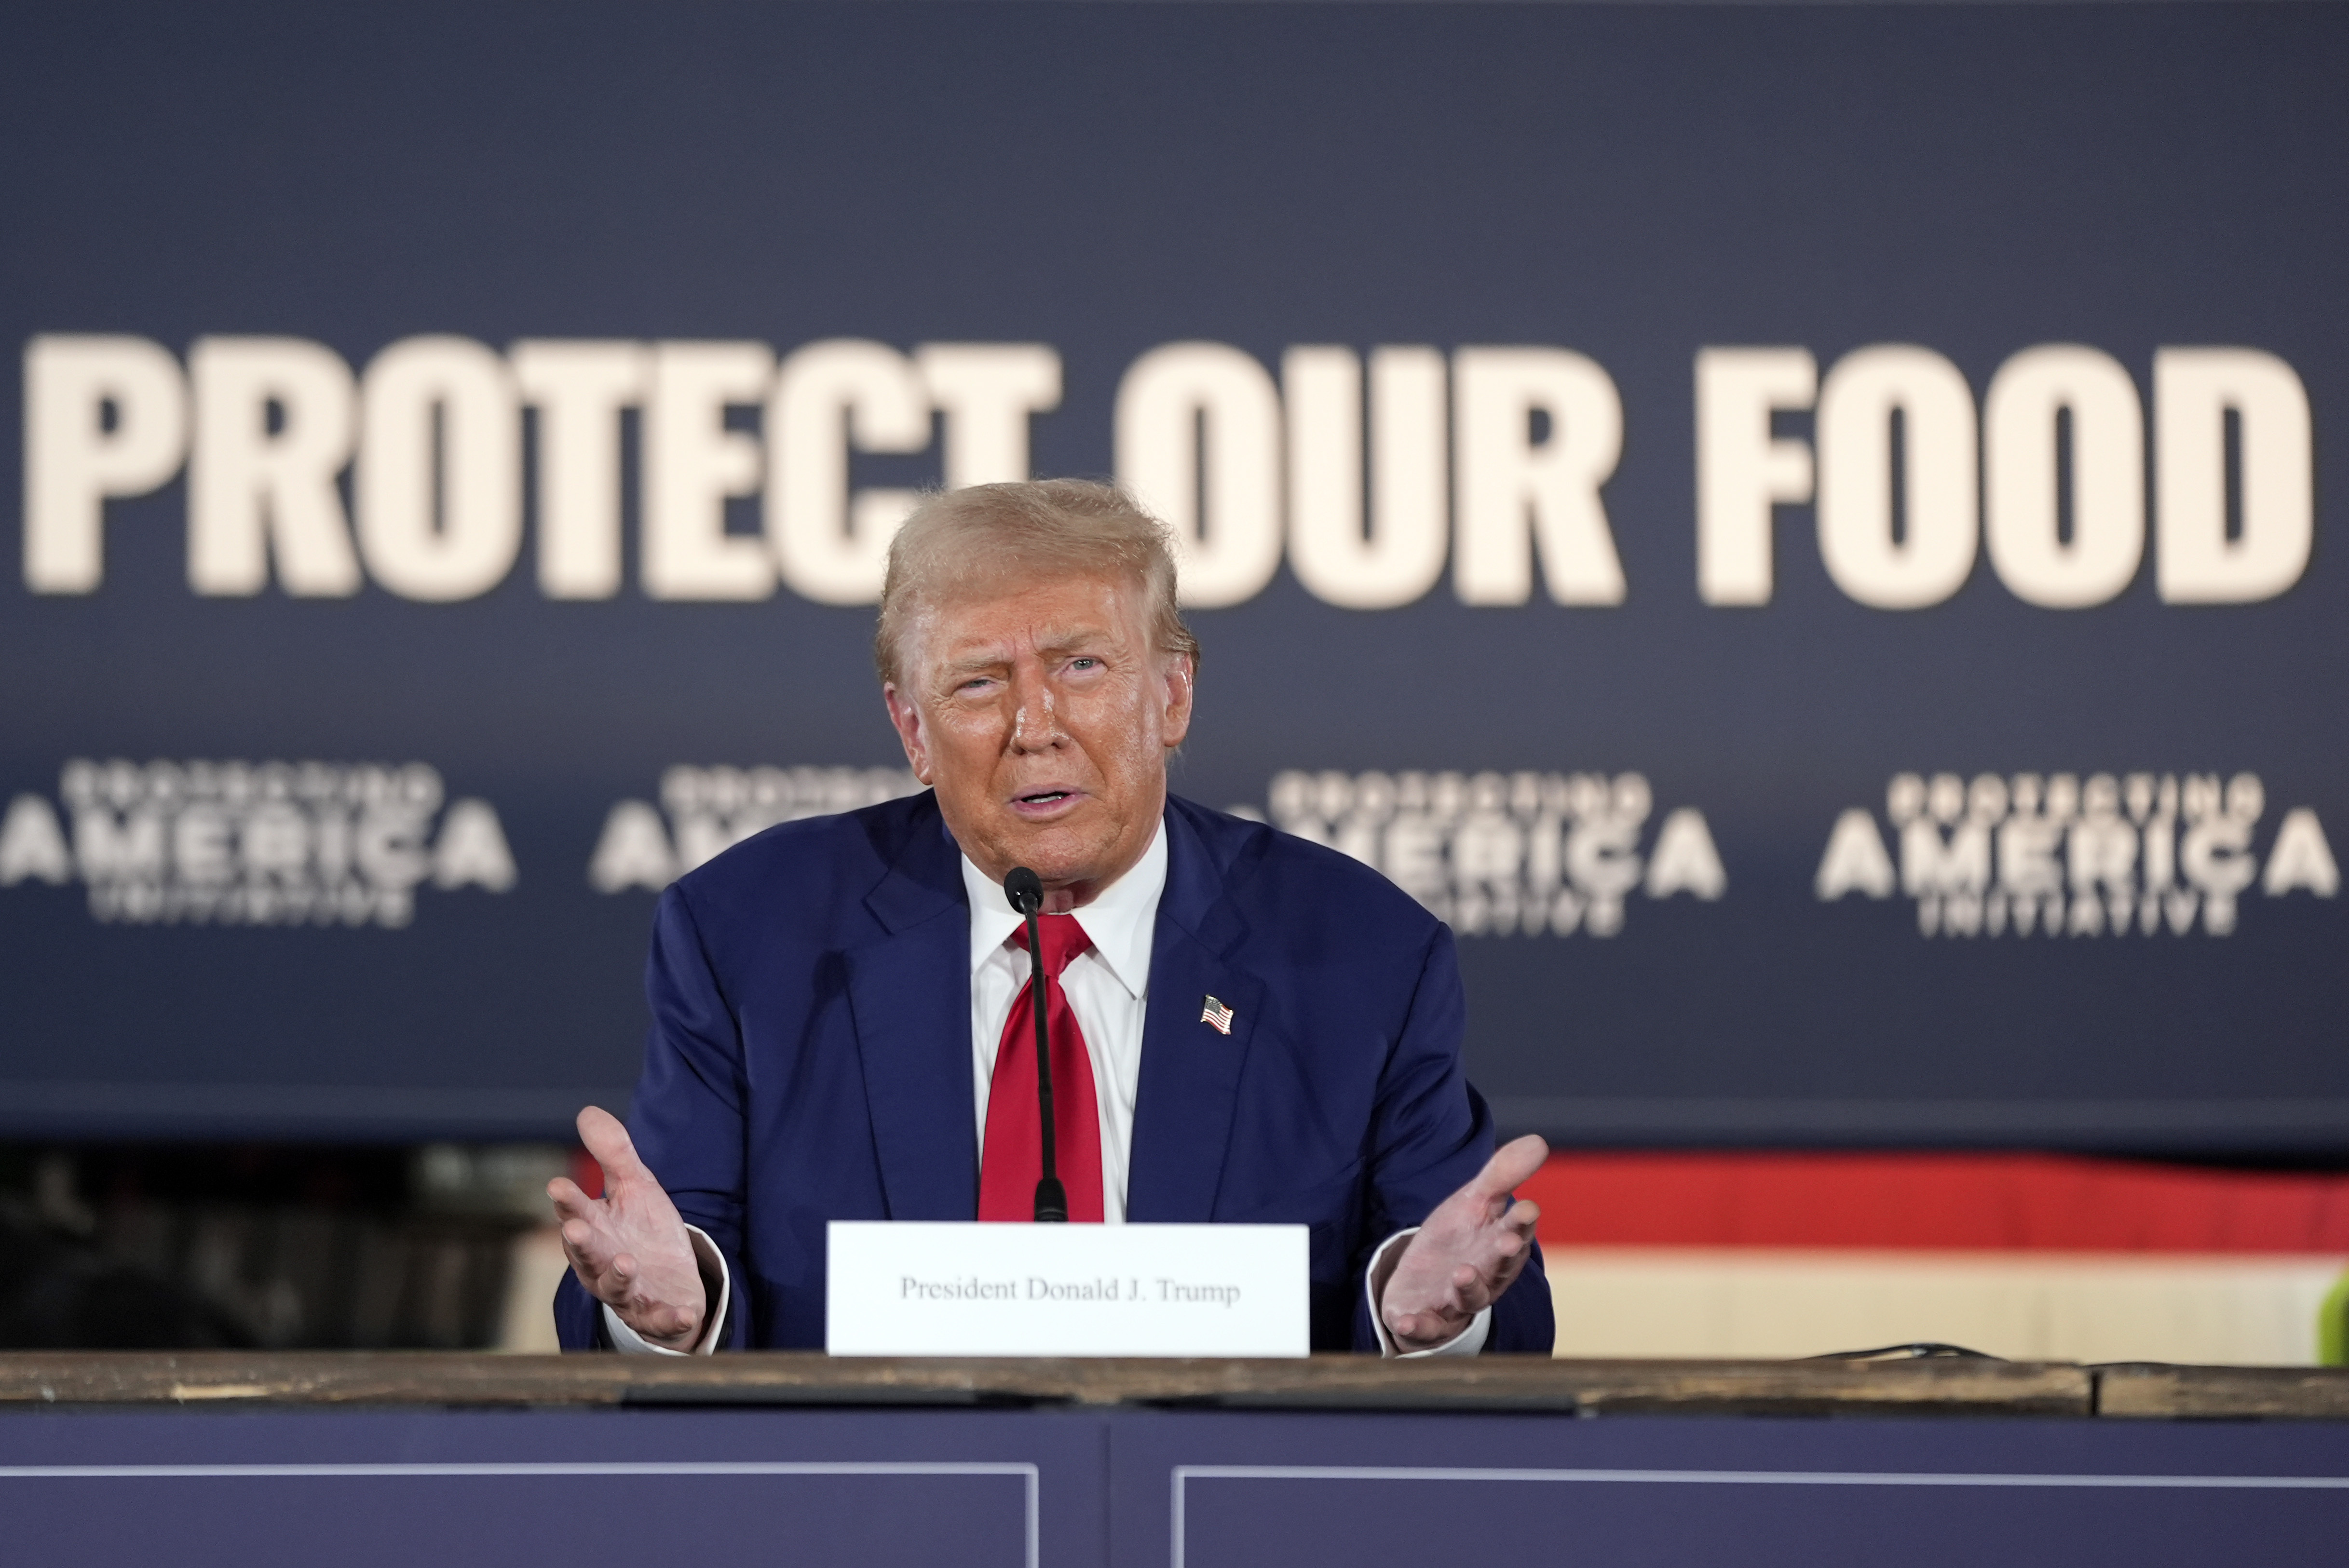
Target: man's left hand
<point>1465,1256</point>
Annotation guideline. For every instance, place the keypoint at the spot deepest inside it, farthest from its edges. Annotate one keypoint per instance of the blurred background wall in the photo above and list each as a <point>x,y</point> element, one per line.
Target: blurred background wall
<point>1798,530</point>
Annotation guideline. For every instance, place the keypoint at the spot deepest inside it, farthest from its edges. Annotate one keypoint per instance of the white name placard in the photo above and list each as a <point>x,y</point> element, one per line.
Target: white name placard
<point>918,1288</point>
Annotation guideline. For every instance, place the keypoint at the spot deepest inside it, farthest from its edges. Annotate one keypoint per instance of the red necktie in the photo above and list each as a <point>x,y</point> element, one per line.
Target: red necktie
<point>1014,1156</point>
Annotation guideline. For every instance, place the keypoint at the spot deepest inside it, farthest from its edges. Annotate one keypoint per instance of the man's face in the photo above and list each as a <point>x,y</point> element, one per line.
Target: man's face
<point>1042,716</point>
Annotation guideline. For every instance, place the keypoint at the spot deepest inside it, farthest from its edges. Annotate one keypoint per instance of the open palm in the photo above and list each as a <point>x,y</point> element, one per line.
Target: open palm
<point>628,1247</point>
<point>1469,1251</point>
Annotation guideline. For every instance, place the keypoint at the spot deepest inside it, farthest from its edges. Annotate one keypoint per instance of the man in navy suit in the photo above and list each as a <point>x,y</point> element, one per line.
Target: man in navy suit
<point>1247,1027</point>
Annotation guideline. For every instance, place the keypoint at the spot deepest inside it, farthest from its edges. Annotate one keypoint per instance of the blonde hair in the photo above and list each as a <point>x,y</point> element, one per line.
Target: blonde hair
<point>963,540</point>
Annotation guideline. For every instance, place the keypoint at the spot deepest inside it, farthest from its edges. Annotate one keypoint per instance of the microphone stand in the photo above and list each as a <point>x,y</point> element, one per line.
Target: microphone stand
<point>1025,889</point>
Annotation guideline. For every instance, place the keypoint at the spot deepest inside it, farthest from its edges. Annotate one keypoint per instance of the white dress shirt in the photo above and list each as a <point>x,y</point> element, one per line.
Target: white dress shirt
<point>1108,989</point>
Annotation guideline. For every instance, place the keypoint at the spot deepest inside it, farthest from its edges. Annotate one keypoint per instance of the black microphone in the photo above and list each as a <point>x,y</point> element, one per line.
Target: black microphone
<point>1025,889</point>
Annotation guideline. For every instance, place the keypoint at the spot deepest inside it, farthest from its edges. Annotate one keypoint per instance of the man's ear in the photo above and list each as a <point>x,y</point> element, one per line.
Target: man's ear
<point>907,720</point>
<point>1177,720</point>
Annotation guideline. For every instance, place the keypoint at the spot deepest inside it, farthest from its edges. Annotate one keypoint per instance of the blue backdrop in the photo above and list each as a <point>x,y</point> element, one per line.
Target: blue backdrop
<point>1976,791</point>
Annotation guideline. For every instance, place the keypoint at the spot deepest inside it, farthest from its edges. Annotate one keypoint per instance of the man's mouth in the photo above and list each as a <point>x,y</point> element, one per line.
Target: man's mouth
<point>1040,801</point>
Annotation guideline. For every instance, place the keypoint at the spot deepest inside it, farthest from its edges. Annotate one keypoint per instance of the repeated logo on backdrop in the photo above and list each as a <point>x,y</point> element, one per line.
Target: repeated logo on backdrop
<point>1509,854</point>
<point>2053,855</point>
<point>704,810</point>
<point>254,843</point>
<point>1494,854</point>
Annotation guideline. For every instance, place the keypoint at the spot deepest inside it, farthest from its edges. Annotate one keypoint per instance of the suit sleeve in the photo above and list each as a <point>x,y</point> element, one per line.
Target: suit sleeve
<point>1431,1132</point>
<point>687,1118</point>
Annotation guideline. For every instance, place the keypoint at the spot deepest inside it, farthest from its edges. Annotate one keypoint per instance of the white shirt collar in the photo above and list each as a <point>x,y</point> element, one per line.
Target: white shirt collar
<point>1120,920</point>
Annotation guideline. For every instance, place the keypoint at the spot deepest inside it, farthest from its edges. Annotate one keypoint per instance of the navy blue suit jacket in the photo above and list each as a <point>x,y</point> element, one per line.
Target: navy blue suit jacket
<point>810,1059</point>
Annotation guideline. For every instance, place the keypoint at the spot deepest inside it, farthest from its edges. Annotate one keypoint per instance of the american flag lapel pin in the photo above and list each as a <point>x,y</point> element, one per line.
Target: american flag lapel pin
<point>1215,1013</point>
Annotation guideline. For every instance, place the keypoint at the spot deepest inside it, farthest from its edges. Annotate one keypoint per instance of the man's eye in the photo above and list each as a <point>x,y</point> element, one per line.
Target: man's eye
<point>1084,664</point>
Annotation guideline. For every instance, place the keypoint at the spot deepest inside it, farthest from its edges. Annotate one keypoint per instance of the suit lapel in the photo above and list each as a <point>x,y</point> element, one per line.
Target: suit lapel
<point>1190,1070</point>
<point>910,995</point>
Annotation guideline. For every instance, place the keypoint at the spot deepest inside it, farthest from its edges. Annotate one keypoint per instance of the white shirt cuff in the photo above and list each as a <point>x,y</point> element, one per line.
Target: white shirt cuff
<point>629,1342</point>
<point>1469,1341</point>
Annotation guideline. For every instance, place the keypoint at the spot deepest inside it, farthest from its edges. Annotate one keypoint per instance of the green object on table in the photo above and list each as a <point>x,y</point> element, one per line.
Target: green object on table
<point>2332,1326</point>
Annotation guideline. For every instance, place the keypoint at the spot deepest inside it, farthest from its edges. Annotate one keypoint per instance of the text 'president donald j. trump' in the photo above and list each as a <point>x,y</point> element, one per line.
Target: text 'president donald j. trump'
<point>1245,1026</point>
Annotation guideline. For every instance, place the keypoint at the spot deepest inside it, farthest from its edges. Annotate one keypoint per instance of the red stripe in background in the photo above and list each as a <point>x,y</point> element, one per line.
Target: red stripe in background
<point>1990,1201</point>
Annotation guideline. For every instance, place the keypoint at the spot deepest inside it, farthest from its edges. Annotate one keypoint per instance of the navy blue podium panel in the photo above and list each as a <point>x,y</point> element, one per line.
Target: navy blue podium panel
<point>452,1489</point>
<point>1162,1489</point>
<point>1240,1491</point>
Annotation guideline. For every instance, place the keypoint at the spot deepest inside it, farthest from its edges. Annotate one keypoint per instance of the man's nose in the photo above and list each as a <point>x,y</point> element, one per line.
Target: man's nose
<point>1034,724</point>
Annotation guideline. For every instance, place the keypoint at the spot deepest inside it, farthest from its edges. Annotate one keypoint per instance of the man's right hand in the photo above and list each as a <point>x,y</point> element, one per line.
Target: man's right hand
<point>628,1247</point>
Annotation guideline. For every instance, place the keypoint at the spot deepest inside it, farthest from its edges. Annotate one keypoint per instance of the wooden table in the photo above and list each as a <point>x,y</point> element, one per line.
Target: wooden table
<point>1954,1385</point>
